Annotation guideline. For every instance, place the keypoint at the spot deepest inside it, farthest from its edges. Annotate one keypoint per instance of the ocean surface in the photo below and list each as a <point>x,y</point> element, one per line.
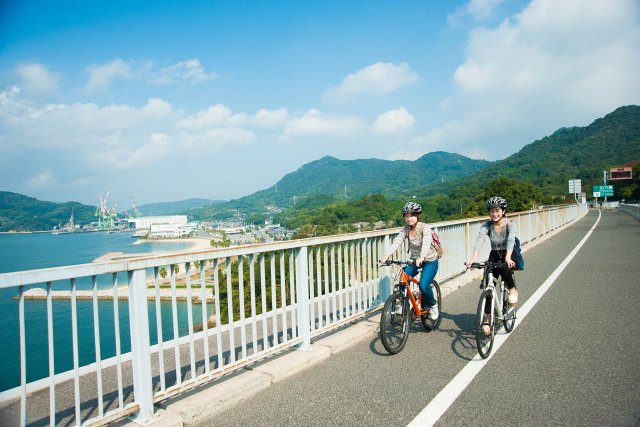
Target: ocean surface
<point>44,250</point>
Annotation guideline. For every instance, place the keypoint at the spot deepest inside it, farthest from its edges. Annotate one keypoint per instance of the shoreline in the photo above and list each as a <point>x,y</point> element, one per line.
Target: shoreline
<point>197,243</point>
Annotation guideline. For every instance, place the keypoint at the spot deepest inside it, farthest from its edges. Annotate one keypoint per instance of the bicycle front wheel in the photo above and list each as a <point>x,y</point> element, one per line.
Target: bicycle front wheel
<point>485,327</point>
<point>429,323</point>
<point>394,323</point>
<point>508,314</point>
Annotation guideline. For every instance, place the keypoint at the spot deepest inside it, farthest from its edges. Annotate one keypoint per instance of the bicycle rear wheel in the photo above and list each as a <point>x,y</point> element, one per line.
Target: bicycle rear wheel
<point>508,314</point>
<point>428,323</point>
<point>394,328</point>
<point>484,342</point>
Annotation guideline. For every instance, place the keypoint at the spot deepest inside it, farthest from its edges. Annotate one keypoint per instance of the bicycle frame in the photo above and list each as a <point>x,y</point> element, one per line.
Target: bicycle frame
<point>402,278</point>
<point>395,325</point>
<point>490,282</point>
<point>498,310</point>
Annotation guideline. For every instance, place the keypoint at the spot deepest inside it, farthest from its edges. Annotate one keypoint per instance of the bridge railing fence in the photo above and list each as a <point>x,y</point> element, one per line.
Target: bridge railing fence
<point>149,328</point>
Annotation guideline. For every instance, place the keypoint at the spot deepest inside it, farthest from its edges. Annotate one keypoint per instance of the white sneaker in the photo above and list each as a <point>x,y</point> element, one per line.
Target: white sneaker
<point>513,297</point>
<point>433,312</point>
<point>486,327</point>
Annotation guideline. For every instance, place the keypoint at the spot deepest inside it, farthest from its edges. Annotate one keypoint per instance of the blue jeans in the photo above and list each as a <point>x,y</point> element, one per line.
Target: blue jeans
<point>429,270</point>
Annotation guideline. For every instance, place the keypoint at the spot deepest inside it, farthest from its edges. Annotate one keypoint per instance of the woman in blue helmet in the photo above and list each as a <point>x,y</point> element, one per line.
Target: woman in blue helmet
<point>422,250</point>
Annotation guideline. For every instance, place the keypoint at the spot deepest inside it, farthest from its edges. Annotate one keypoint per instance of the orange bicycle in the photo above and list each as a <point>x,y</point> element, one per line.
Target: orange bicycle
<point>403,307</point>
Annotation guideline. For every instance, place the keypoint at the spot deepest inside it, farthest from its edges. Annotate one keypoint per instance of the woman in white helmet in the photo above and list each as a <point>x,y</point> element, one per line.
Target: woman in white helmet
<point>422,250</point>
<point>502,235</point>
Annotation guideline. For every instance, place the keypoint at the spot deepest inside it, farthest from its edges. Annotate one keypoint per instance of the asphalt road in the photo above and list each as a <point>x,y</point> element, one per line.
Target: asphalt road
<point>574,359</point>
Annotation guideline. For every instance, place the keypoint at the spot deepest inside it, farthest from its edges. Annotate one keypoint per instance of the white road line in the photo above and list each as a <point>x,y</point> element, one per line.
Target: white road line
<point>439,405</point>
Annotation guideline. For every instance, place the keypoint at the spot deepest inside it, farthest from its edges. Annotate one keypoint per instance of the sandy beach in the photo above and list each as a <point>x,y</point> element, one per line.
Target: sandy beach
<point>197,243</point>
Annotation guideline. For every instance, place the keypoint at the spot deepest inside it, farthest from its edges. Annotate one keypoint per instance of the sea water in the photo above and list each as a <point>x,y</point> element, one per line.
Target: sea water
<point>20,252</point>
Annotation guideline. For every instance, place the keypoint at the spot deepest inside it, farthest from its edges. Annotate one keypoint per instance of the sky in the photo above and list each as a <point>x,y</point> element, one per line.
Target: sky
<point>169,100</point>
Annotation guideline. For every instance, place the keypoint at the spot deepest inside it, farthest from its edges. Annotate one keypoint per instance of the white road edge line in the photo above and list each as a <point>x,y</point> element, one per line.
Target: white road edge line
<point>439,405</point>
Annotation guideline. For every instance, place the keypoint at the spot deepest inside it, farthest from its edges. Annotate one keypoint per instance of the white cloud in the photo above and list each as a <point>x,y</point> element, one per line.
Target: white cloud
<point>313,122</point>
<point>154,151</point>
<point>221,115</point>
<point>270,118</point>
<point>41,180</point>
<point>554,64</point>
<point>482,9</point>
<point>478,9</point>
<point>101,76</point>
<point>37,78</point>
<point>378,79</point>
<point>393,121</point>
<point>212,116</point>
<point>190,71</point>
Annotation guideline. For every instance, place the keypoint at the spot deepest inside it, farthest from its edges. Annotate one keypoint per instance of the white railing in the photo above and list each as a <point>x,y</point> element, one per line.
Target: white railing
<point>257,301</point>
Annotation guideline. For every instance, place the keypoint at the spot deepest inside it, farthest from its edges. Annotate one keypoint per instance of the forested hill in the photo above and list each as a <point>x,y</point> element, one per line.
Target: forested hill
<point>351,179</point>
<point>569,153</point>
<point>174,208</point>
<point>23,213</point>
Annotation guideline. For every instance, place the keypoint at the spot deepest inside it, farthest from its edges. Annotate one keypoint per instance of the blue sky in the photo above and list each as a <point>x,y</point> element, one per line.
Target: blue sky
<point>167,100</point>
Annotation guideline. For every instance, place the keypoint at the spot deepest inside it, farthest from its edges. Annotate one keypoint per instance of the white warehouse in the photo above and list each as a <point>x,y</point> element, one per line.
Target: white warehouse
<point>145,222</point>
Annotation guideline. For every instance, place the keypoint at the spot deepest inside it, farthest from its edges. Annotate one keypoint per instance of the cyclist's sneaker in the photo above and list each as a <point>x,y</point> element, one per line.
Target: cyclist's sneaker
<point>486,325</point>
<point>513,297</point>
<point>433,312</point>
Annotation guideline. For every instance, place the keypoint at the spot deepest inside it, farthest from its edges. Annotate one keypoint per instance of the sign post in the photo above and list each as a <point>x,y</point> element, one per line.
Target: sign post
<point>575,187</point>
<point>602,191</point>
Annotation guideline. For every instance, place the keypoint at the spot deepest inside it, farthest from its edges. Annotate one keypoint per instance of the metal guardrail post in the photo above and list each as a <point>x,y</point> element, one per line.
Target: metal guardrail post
<point>140,348</point>
<point>385,277</point>
<point>467,242</point>
<point>302,297</point>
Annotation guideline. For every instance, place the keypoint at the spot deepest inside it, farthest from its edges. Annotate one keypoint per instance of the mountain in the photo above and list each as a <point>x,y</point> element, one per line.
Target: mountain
<point>447,182</point>
<point>347,179</point>
<point>23,213</point>
<point>569,153</point>
<point>174,208</point>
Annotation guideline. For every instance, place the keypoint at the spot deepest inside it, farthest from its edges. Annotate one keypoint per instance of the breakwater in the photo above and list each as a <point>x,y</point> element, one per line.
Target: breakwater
<point>107,294</point>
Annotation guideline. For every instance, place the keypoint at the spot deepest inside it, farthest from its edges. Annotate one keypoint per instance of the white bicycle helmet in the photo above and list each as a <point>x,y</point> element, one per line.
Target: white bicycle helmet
<point>412,207</point>
<point>496,202</point>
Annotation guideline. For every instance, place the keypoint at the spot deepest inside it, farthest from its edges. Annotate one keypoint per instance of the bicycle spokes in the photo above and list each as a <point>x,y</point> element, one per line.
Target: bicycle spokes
<point>394,323</point>
<point>485,325</point>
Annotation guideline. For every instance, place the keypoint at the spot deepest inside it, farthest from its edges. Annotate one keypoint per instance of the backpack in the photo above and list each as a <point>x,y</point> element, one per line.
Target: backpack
<point>437,245</point>
<point>516,255</point>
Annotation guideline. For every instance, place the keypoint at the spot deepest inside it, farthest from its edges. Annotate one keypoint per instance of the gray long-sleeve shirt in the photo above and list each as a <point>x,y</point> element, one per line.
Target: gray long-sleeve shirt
<point>499,241</point>
<point>420,246</point>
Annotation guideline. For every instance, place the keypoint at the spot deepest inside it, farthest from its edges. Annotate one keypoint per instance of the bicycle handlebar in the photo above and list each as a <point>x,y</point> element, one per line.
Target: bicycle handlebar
<point>489,264</point>
<point>410,261</point>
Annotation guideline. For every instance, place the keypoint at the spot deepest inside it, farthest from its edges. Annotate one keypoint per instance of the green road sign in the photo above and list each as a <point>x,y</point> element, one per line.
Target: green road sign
<point>604,190</point>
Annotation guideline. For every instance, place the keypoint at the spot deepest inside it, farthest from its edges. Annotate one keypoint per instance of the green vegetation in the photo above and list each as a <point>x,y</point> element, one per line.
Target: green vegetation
<point>174,208</point>
<point>22,213</point>
<point>329,180</point>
